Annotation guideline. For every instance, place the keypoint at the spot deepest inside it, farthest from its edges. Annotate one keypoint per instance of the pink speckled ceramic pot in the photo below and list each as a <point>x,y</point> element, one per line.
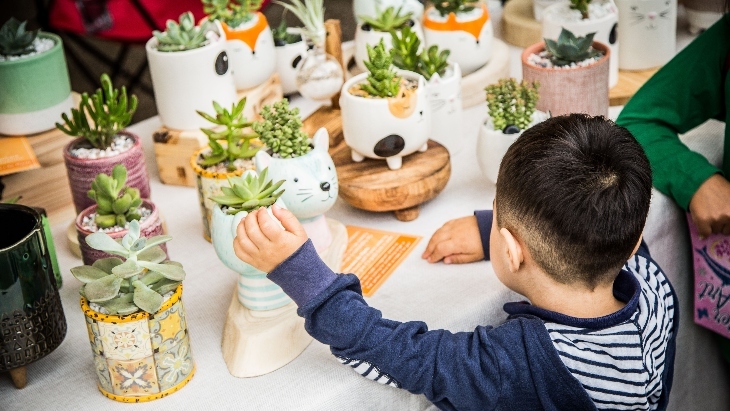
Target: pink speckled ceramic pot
<point>151,227</point>
<point>82,171</point>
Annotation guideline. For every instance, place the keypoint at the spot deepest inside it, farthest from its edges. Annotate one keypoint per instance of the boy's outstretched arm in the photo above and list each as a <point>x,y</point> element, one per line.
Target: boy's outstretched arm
<point>462,240</point>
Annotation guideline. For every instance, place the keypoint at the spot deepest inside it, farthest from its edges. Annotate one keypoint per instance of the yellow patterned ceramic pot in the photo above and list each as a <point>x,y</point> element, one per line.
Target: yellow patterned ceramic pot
<point>141,357</point>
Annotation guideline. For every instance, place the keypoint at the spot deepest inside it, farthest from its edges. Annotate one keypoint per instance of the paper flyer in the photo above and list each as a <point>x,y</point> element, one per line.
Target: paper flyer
<point>16,155</point>
<point>373,255</point>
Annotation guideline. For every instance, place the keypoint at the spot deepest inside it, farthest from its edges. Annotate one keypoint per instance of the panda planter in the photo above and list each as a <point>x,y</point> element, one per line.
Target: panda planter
<point>370,8</point>
<point>386,128</point>
<point>252,51</point>
<point>186,81</point>
<point>444,96</point>
<point>366,35</point>
<point>539,6</point>
<point>468,35</point>
<point>288,57</point>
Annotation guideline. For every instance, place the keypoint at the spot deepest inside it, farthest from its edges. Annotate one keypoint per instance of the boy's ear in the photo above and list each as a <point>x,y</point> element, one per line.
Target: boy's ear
<point>515,256</point>
<point>638,244</point>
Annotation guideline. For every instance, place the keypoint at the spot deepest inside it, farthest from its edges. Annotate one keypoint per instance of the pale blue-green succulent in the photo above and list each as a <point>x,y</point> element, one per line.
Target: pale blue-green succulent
<point>137,283</point>
<point>249,192</point>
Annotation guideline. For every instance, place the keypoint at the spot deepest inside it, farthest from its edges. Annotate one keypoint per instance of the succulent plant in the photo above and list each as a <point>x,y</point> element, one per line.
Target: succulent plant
<point>388,19</point>
<point>406,57</point>
<point>232,12</point>
<point>511,104</point>
<point>139,282</point>
<point>311,14</point>
<point>382,80</point>
<point>432,61</point>
<point>570,49</point>
<point>249,192</point>
<point>109,111</point>
<point>282,37</point>
<point>445,7</point>
<point>15,40</point>
<point>281,130</point>
<point>238,143</point>
<point>116,204</point>
<point>581,6</point>
<point>183,36</point>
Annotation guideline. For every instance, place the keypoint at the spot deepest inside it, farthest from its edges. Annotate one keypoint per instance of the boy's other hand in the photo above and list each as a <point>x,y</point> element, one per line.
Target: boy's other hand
<point>710,206</point>
<point>456,242</point>
<point>260,241</point>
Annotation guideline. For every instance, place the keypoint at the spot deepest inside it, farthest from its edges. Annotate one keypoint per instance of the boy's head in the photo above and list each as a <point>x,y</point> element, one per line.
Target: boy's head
<point>575,190</point>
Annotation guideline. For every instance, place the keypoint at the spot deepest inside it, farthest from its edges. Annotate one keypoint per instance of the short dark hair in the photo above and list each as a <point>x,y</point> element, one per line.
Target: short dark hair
<point>576,189</point>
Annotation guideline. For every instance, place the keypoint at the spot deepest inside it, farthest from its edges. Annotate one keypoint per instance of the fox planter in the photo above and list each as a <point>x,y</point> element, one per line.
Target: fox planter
<point>386,128</point>
<point>251,50</point>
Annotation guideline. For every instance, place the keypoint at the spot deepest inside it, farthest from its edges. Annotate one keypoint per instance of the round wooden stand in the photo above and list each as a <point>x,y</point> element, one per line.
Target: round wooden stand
<point>371,185</point>
<point>519,26</point>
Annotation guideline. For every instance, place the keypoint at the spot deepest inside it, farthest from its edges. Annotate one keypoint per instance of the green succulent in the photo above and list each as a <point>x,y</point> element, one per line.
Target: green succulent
<point>281,130</point>
<point>116,204</point>
<point>183,36</point>
<point>581,6</point>
<point>570,49</point>
<point>238,143</point>
<point>382,80</point>
<point>282,36</point>
<point>232,12</point>
<point>445,7</point>
<point>388,19</point>
<point>137,283</point>
<point>249,192</point>
<point>405,49</point>
<point>109,111</point>
<point>15,40</point>
<point>432,61</point>
<point>512,103</point>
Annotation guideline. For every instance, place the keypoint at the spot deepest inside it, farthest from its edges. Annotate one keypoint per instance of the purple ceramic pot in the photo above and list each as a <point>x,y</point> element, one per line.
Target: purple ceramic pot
<point>83,171</point>
<point>151,227</point>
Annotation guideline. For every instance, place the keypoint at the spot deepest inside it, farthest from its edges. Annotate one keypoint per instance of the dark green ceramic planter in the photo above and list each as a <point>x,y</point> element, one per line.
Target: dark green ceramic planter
<point>32,323</point>
<point>51,246</point>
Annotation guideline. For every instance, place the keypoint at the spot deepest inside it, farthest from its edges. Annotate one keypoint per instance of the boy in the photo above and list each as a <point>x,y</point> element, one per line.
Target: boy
<point>571,201</point>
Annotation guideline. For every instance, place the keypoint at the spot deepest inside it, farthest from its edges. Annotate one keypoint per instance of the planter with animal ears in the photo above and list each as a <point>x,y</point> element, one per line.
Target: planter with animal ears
<point>386,128</point>
<point>288,57</point>
<point>647,33</point>
<point>366,35</point>
<point>444,95</point>
<point>701,14</point>
<point>251,50</point>
<point>469,36</point>
<point>311,186</point>
<point>370,7</point>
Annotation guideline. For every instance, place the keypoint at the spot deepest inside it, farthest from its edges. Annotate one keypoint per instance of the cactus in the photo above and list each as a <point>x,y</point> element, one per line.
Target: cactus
<point>581,6</point>
<point>183,36</point>
<point>281,130</point>
<point>249,192</point>
<point>139,282</point>
<point>570,49</point>
<point>511,103</point>
<point>109,111</point>
<point>311,14</point>
<point>232,12</point>
<point>445,7</point>
<point>282,37</point>
<point>15,40</point>
<point>238,143</point>
<point>382,80</point>
<point>115,203</point>
<point>388,19</point>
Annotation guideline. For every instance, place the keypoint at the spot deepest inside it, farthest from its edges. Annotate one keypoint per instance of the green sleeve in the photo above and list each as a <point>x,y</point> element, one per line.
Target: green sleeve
<point>685,93</point>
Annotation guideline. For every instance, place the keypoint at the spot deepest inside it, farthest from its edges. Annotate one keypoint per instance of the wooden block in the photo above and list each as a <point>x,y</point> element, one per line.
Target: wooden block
<point>333,47</point>
<point>329,118</point>
<point>371,185</point>
<point>256,98</point>
<point>519,27</point>
<point>629,82</point>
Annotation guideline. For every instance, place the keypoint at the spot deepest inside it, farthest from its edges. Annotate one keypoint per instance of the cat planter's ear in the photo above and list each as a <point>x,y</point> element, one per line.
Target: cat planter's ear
<point>321,140</point>
<point>262,160</point>
<point>421,82</point>
<point>435,80</point>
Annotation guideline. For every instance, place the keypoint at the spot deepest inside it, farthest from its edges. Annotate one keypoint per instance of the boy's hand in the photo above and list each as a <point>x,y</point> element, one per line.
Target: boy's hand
<point>710,206</point>
<point>262,243</point>
<point>457,242</point>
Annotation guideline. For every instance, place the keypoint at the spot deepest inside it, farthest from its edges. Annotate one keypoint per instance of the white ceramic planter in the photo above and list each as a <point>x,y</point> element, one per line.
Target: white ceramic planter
<point>493,144</point>
<point>386,128</point>
<point>560,15</point>
<point>444,96</point>
<point>186,81</point>
<point>288,58</point>
<point>371,7</point>
<point>251,50</point>
<point>373,37</point>
<point>701,14</point>
<point>539,6</point>
<point>647,33</point>
<point>469,36</point>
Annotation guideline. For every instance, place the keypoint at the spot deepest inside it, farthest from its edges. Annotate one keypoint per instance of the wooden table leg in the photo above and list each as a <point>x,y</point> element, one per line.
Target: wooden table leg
<point>18,377</point>
<point>407,214</point>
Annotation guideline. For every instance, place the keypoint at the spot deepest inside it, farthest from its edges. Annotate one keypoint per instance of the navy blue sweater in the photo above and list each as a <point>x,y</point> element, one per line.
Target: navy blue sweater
<point>537,359</point>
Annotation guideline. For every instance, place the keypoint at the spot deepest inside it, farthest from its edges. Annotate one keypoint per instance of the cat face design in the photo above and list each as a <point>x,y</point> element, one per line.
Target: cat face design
<point>311,186</point>
<point>650,15</point>
<point>444,94</point>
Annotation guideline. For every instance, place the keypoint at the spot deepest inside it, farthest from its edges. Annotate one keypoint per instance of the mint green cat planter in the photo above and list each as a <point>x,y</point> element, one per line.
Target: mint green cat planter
<point>34,91</point>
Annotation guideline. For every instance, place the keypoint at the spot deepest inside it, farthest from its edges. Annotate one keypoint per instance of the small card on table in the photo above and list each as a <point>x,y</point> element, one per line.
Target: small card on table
<point>16,155</point>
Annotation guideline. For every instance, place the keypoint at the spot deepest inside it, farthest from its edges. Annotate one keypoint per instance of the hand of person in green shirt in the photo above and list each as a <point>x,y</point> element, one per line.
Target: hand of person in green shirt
<point>710,206</point>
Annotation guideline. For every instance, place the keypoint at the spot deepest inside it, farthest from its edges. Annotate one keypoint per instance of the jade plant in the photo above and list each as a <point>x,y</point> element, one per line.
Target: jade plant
<point>137,283</point>
<point>232,12</point>
<point>406,57</point>
<point>281,130</point>
<point>570,49</point>
<point>511,104</point>
<point>388,19</point>
<point>382,80</point>
<point>444,7</point>
<point>183,36</point>
<point>15,40</point>
<point>311,14</point>
<point>100,116</point>
<point>581,6</point>
<point>238,142</point>
<point>249,192</point>
<point>282,37</point>
<point>116,204</point>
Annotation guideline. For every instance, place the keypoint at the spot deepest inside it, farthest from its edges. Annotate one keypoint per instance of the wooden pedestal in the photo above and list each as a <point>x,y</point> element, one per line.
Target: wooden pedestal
<point>629,82</point>
<point>371,185</point>
<point>519,27</point>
